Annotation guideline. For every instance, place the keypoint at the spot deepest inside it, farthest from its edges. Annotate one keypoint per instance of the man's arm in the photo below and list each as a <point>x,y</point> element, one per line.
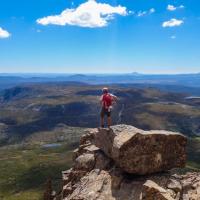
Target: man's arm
<point>114,98</point>
<point>101,99</point>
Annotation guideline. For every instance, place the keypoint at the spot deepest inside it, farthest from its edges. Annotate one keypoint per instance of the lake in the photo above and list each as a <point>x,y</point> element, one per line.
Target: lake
<point>52,145</point>
<point>193,97</point>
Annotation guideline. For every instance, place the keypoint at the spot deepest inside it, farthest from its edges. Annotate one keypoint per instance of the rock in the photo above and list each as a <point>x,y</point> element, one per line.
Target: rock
<point>175,185</point>
<point>172,193</point>
<point>142,152</point>
<point>85,162</point>
<point>191,186</point>
<point>113,184</point>
<point>65,176</point>
<point>185,197</point>
<point>105,185</point>
<point>100,173</point>
<point>87,137</point>
<point>75,154</point>
<point>102,161</point>
<point>67,189</point>
<point>153,191</point>
<point>89,148</point>
<point>94,185</point>
<point>178,196</point>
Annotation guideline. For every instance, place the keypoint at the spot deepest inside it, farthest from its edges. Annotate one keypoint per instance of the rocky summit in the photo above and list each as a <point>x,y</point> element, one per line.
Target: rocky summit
<point>126,163</point>
<point>142,152</point>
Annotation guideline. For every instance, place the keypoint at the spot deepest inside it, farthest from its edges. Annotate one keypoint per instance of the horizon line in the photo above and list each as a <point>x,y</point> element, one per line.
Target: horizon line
<point>97,73</point>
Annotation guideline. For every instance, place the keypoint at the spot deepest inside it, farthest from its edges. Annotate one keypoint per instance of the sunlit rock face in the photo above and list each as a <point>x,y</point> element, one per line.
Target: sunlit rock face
<point>142,152</point>
<point>105,167</point>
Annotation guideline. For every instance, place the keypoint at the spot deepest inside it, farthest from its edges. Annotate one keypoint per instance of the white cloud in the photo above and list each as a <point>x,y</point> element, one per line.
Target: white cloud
<point>172,23</point>
<point>173,37</point>
<point>173,8</point>
<point>89,14</point>
<point>4,33</point>
<point>130,12</point>
<point>152,10</point>
<point>143,13</point>
<point>181,6</point>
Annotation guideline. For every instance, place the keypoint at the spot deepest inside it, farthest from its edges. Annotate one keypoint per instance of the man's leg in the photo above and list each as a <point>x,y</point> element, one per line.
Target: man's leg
<point>102,122</point>
<point>102,117</point>
<point>109,121</point>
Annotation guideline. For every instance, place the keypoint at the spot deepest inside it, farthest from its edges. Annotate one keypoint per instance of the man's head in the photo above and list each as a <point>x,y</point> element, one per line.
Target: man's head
<point>105,90</point>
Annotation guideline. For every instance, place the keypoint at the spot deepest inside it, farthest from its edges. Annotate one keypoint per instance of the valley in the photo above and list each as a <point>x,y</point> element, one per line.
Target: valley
<point>40,108</point>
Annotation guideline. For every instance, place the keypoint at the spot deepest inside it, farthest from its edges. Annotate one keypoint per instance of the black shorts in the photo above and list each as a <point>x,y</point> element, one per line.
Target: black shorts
<point>104,112</point>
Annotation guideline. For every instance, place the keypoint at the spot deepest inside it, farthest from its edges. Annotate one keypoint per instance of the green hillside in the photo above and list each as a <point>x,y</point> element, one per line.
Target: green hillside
<point>25,168</point>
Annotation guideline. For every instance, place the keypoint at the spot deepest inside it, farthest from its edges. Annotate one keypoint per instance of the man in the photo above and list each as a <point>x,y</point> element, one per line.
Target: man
<point>107,100</point>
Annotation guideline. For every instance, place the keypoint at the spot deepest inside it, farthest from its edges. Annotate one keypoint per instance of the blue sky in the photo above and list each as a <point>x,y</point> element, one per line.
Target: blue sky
<point>115,36</point>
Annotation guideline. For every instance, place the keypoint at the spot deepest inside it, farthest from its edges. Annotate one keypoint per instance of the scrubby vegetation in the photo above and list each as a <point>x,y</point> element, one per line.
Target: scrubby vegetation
<point>25,170</point>
<point>25,167</point>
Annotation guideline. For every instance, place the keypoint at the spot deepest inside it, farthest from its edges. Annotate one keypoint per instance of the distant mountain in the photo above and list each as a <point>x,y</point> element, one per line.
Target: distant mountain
<point>189,80</point>
<point>78,76</point>
<point>136,73</point>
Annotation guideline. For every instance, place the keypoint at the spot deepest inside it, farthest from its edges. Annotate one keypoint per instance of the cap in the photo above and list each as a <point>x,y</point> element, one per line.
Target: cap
<point>105,90</point>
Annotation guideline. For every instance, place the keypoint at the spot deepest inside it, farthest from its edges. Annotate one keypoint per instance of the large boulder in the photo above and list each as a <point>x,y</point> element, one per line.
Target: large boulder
<point>141,152</point>
<point>95,176</point>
